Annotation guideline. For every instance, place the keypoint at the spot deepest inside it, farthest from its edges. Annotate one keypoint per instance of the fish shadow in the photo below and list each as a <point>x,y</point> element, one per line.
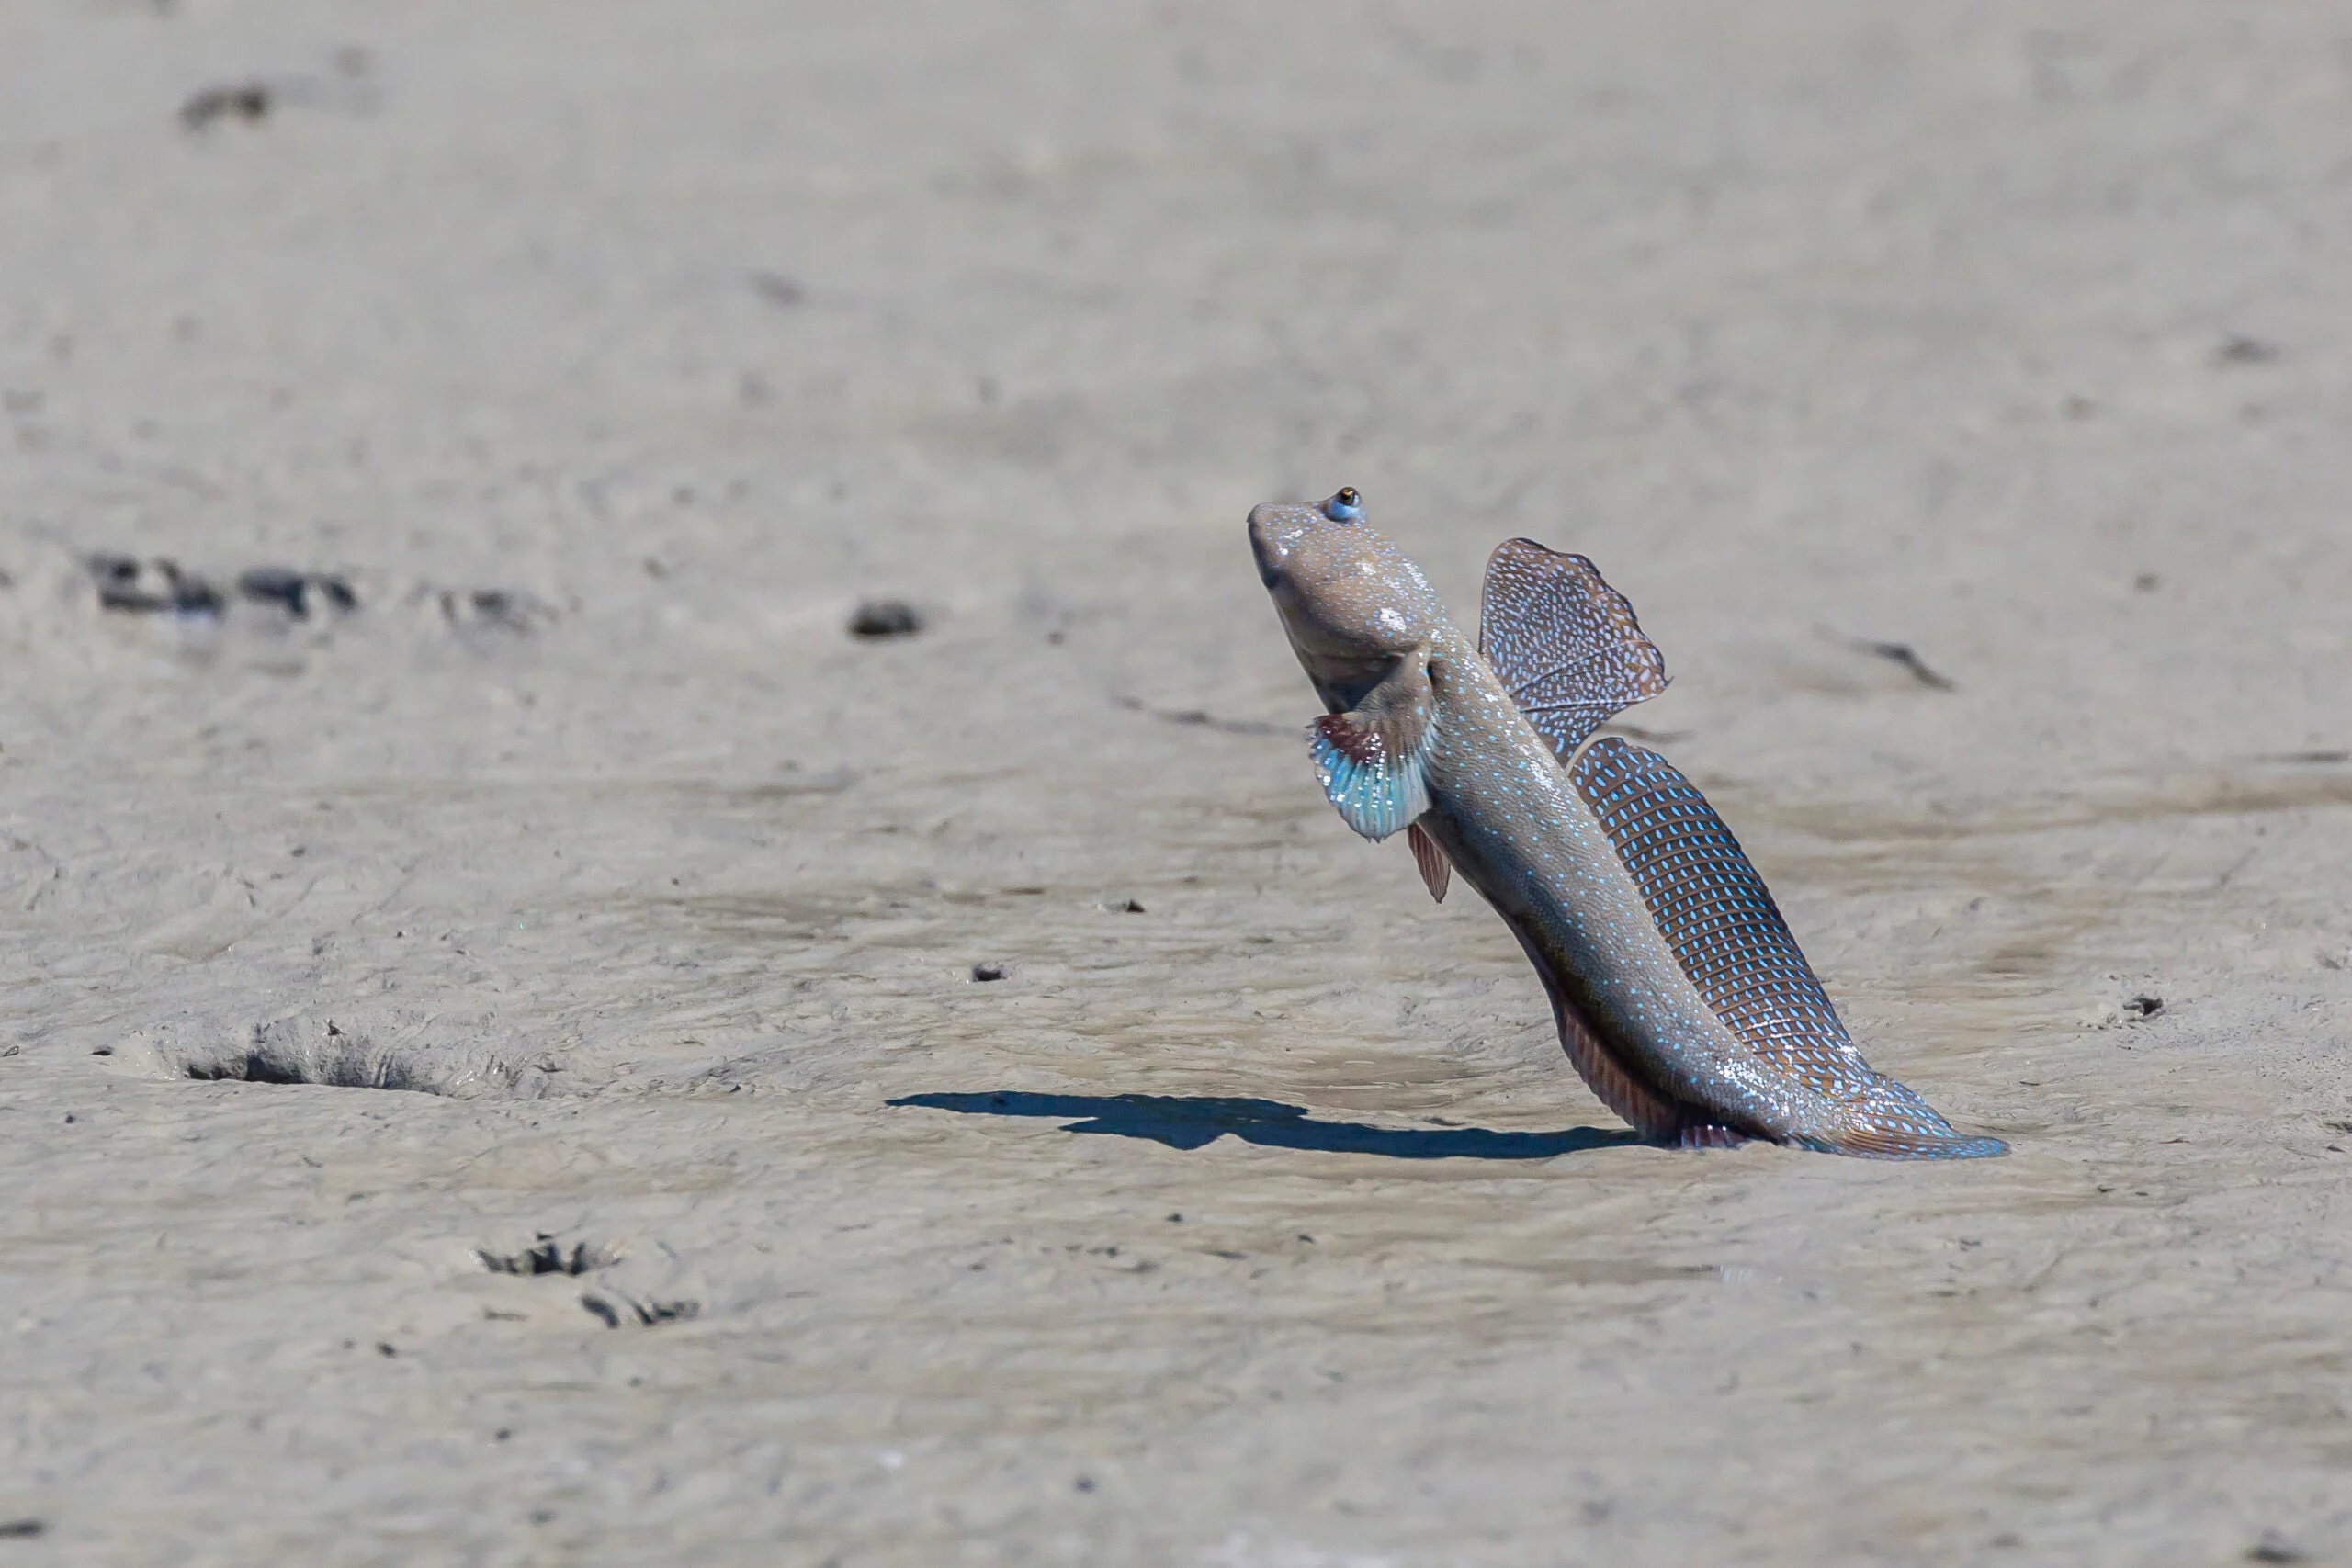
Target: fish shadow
<point>1191,1122</point>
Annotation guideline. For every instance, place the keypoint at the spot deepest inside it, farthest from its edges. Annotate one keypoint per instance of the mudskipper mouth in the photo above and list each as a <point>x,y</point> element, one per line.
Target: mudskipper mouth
<point>1268,573</point>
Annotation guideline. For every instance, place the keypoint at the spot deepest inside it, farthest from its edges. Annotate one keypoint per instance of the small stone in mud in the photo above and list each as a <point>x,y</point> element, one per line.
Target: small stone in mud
<point>2275,1548</point>
<point>879,618</point>
<point>248,101</point>
<point>22,1529</point>
<point>984,972</point>
<point>2143,1007</point>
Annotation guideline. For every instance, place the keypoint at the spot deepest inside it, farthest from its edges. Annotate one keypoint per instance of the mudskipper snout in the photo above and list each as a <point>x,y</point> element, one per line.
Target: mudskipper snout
<point>1680,996</point>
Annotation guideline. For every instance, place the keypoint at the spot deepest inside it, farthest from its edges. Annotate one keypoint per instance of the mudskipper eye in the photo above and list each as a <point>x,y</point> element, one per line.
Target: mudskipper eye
<point>1345,506</point>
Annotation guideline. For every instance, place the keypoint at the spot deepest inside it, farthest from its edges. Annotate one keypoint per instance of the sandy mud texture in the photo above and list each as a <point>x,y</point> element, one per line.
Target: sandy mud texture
<point>529,1041</point>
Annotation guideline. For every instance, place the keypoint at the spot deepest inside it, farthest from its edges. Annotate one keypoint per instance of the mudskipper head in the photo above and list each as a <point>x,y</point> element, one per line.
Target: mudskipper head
<point>1352,603</point>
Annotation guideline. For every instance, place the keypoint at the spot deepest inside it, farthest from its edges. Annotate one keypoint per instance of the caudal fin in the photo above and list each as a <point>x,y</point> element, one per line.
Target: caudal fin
<point>1894,1124</point>
<point>1877,1142</point>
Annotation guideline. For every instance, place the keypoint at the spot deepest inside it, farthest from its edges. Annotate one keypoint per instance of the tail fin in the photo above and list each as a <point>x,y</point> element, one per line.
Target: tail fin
<point>1888,1142</point>
<point>1887,1120</point>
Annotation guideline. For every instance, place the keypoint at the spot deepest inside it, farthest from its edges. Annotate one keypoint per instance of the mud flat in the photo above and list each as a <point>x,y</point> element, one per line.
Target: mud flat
<point>528,1041</point>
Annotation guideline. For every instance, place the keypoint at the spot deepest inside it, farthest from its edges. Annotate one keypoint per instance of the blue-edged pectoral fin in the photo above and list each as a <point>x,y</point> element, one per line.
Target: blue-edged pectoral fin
<point>1371,757</point>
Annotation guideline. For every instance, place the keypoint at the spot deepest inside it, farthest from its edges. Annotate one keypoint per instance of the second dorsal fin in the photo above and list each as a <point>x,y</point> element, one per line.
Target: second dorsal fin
<point>1564,643</point>
<point>1717,916</point>
<point>1728,936</point>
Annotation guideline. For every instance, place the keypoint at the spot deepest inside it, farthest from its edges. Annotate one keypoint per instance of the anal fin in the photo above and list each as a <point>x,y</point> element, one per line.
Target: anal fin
<point>1654,1115</point>
<point>1437,872</point>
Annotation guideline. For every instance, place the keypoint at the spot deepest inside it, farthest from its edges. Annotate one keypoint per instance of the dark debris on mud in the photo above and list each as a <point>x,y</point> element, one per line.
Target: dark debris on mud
<point>159,585</point>
<point>545,1255</point>
<point>1897,653</point>
<point>618,1309</point>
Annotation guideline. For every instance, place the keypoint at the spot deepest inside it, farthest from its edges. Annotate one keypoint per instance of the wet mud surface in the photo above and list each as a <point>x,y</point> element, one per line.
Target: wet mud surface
<point>652,917</point>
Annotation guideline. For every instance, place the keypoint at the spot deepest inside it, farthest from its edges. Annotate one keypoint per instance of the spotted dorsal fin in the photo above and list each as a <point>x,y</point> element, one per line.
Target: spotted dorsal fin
<point>1725,931</point>
<point>1564,643</point>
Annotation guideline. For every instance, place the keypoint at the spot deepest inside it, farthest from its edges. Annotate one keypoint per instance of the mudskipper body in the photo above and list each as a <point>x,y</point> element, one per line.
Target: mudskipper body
<point>1681,998</point>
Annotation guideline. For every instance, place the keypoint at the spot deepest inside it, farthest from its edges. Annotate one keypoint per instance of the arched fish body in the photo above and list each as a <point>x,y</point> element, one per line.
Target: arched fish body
<point>1681,997</point>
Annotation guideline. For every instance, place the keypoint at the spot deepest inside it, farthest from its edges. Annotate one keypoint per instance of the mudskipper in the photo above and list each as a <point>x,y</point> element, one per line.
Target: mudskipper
<point>1680,996</point>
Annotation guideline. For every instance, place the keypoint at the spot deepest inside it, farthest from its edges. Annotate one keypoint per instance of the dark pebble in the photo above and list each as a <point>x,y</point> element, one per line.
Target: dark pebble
<point>2245,350</point>
<point>248,101</point>
<point>879,618</point>
<point>988,971</point>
